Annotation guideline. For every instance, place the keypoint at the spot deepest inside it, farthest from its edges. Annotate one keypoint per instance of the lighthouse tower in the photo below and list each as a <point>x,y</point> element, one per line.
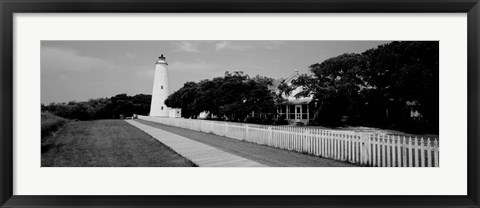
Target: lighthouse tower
<point>160,89</point>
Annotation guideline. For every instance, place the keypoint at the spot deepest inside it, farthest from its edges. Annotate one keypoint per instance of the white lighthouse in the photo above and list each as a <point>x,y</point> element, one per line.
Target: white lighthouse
<point>160,89</point>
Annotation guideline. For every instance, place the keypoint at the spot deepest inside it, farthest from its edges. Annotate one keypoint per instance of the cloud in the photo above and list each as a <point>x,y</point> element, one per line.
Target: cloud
<point>243,46</point>
<point>187,46</point>
<point>221,45</point>
<point>145,73</point>
<point>224,45</point>
<point>198,66</point>
<point>59,59</point>
<point>194,46</point>
<point>274,44</point>
<point>131,55</point>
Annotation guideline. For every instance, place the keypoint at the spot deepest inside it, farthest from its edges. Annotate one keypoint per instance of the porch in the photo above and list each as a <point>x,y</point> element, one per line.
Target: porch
<point>295,113</point>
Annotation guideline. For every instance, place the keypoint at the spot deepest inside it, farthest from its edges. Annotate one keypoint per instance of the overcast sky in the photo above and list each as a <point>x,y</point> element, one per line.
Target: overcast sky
<point>80,70</point>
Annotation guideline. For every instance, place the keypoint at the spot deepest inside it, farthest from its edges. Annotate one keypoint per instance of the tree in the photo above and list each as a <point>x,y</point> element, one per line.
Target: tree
<point>208,91</point>
<point>375,87</point>
<point>406,71</point>
<point>335,85</point>
<point>184,98</point>
<point>232,97</point>
<point>101,108</point>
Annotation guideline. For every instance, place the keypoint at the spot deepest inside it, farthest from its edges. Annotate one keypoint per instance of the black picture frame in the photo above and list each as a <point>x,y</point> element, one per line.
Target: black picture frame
<point>10,7</point>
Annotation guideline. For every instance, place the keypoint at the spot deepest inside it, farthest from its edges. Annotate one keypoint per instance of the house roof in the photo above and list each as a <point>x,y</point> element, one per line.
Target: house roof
<point>277,82</point>
<point>291,99</point>
<point>292,77</point>
<point>296,101</point>
<point>412,103</point>
<point>288,80</point>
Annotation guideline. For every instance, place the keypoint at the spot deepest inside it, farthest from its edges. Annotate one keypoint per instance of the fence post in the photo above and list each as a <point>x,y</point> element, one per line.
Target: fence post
<point>295,140</point>
<point>270,133</point>
<point>378,146</point>
<point>394,155</point>
<point>329,145</point>
<point>309,140</point>
<point>340,145</point>
<point>355,149</point>
<point>417,164</point>
<point>316,142</point>
<point>374,149</point>
<point>371,148</point>
<point>429,153</point>
<point>435,152</point>
<point>410,152</point>
<point>320,143</point>
<point>388,150</point>
<point>350,148</point>
<point>225,130</point>
<point>404,153</point>
<point>305,141</point>
<point>384,152</point>
<point>362,149</point>
<point>343,146</point>
<point>334,146</point>
<point>422,152</point>
<point>399,152</point>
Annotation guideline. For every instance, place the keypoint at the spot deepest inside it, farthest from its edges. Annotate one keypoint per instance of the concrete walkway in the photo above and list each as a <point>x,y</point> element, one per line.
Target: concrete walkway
<point>200,154</point>
<point>268,156</point>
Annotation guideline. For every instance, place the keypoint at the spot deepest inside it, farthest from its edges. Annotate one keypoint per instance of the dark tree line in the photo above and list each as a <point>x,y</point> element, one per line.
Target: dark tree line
<point>118,106</point>
<point>234,97</point>
<point>380,87</point>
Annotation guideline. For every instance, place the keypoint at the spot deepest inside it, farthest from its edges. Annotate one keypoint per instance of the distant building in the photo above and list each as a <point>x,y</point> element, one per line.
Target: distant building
<point>175,113</point>
<point>294,110</point>
<point>414,113</point>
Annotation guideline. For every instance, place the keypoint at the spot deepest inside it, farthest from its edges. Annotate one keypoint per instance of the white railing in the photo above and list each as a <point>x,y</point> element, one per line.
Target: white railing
<point>363,148</point>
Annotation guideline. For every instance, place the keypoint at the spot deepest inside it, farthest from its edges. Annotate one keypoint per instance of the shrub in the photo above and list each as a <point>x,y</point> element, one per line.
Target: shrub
<point>50,124</point>
<point>281,121</point>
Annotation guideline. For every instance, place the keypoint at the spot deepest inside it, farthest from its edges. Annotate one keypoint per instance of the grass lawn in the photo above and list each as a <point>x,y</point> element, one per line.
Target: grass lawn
<point>108,143</point>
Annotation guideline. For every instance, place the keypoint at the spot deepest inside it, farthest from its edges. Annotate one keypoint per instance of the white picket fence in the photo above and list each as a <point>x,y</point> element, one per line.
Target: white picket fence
<point>367,149</point>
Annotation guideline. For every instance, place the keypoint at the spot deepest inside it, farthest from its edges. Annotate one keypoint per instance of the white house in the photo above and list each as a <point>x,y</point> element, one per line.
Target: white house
<point>294,110</point>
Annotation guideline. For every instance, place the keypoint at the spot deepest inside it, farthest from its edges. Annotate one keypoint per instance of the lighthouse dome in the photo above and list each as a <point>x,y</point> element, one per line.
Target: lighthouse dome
<point>161,60</point>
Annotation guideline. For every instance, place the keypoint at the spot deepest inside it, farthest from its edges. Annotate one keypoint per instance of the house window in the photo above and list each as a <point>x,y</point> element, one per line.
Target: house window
<point>304,111</point>
<point>297,114</point>
<point>161,87</point>
<point>291,112</point>
<point>162,107</point>
<point>282,111</point>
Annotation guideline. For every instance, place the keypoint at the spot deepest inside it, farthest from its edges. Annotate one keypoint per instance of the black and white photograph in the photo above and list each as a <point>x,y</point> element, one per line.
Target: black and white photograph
<point>239,103</point>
